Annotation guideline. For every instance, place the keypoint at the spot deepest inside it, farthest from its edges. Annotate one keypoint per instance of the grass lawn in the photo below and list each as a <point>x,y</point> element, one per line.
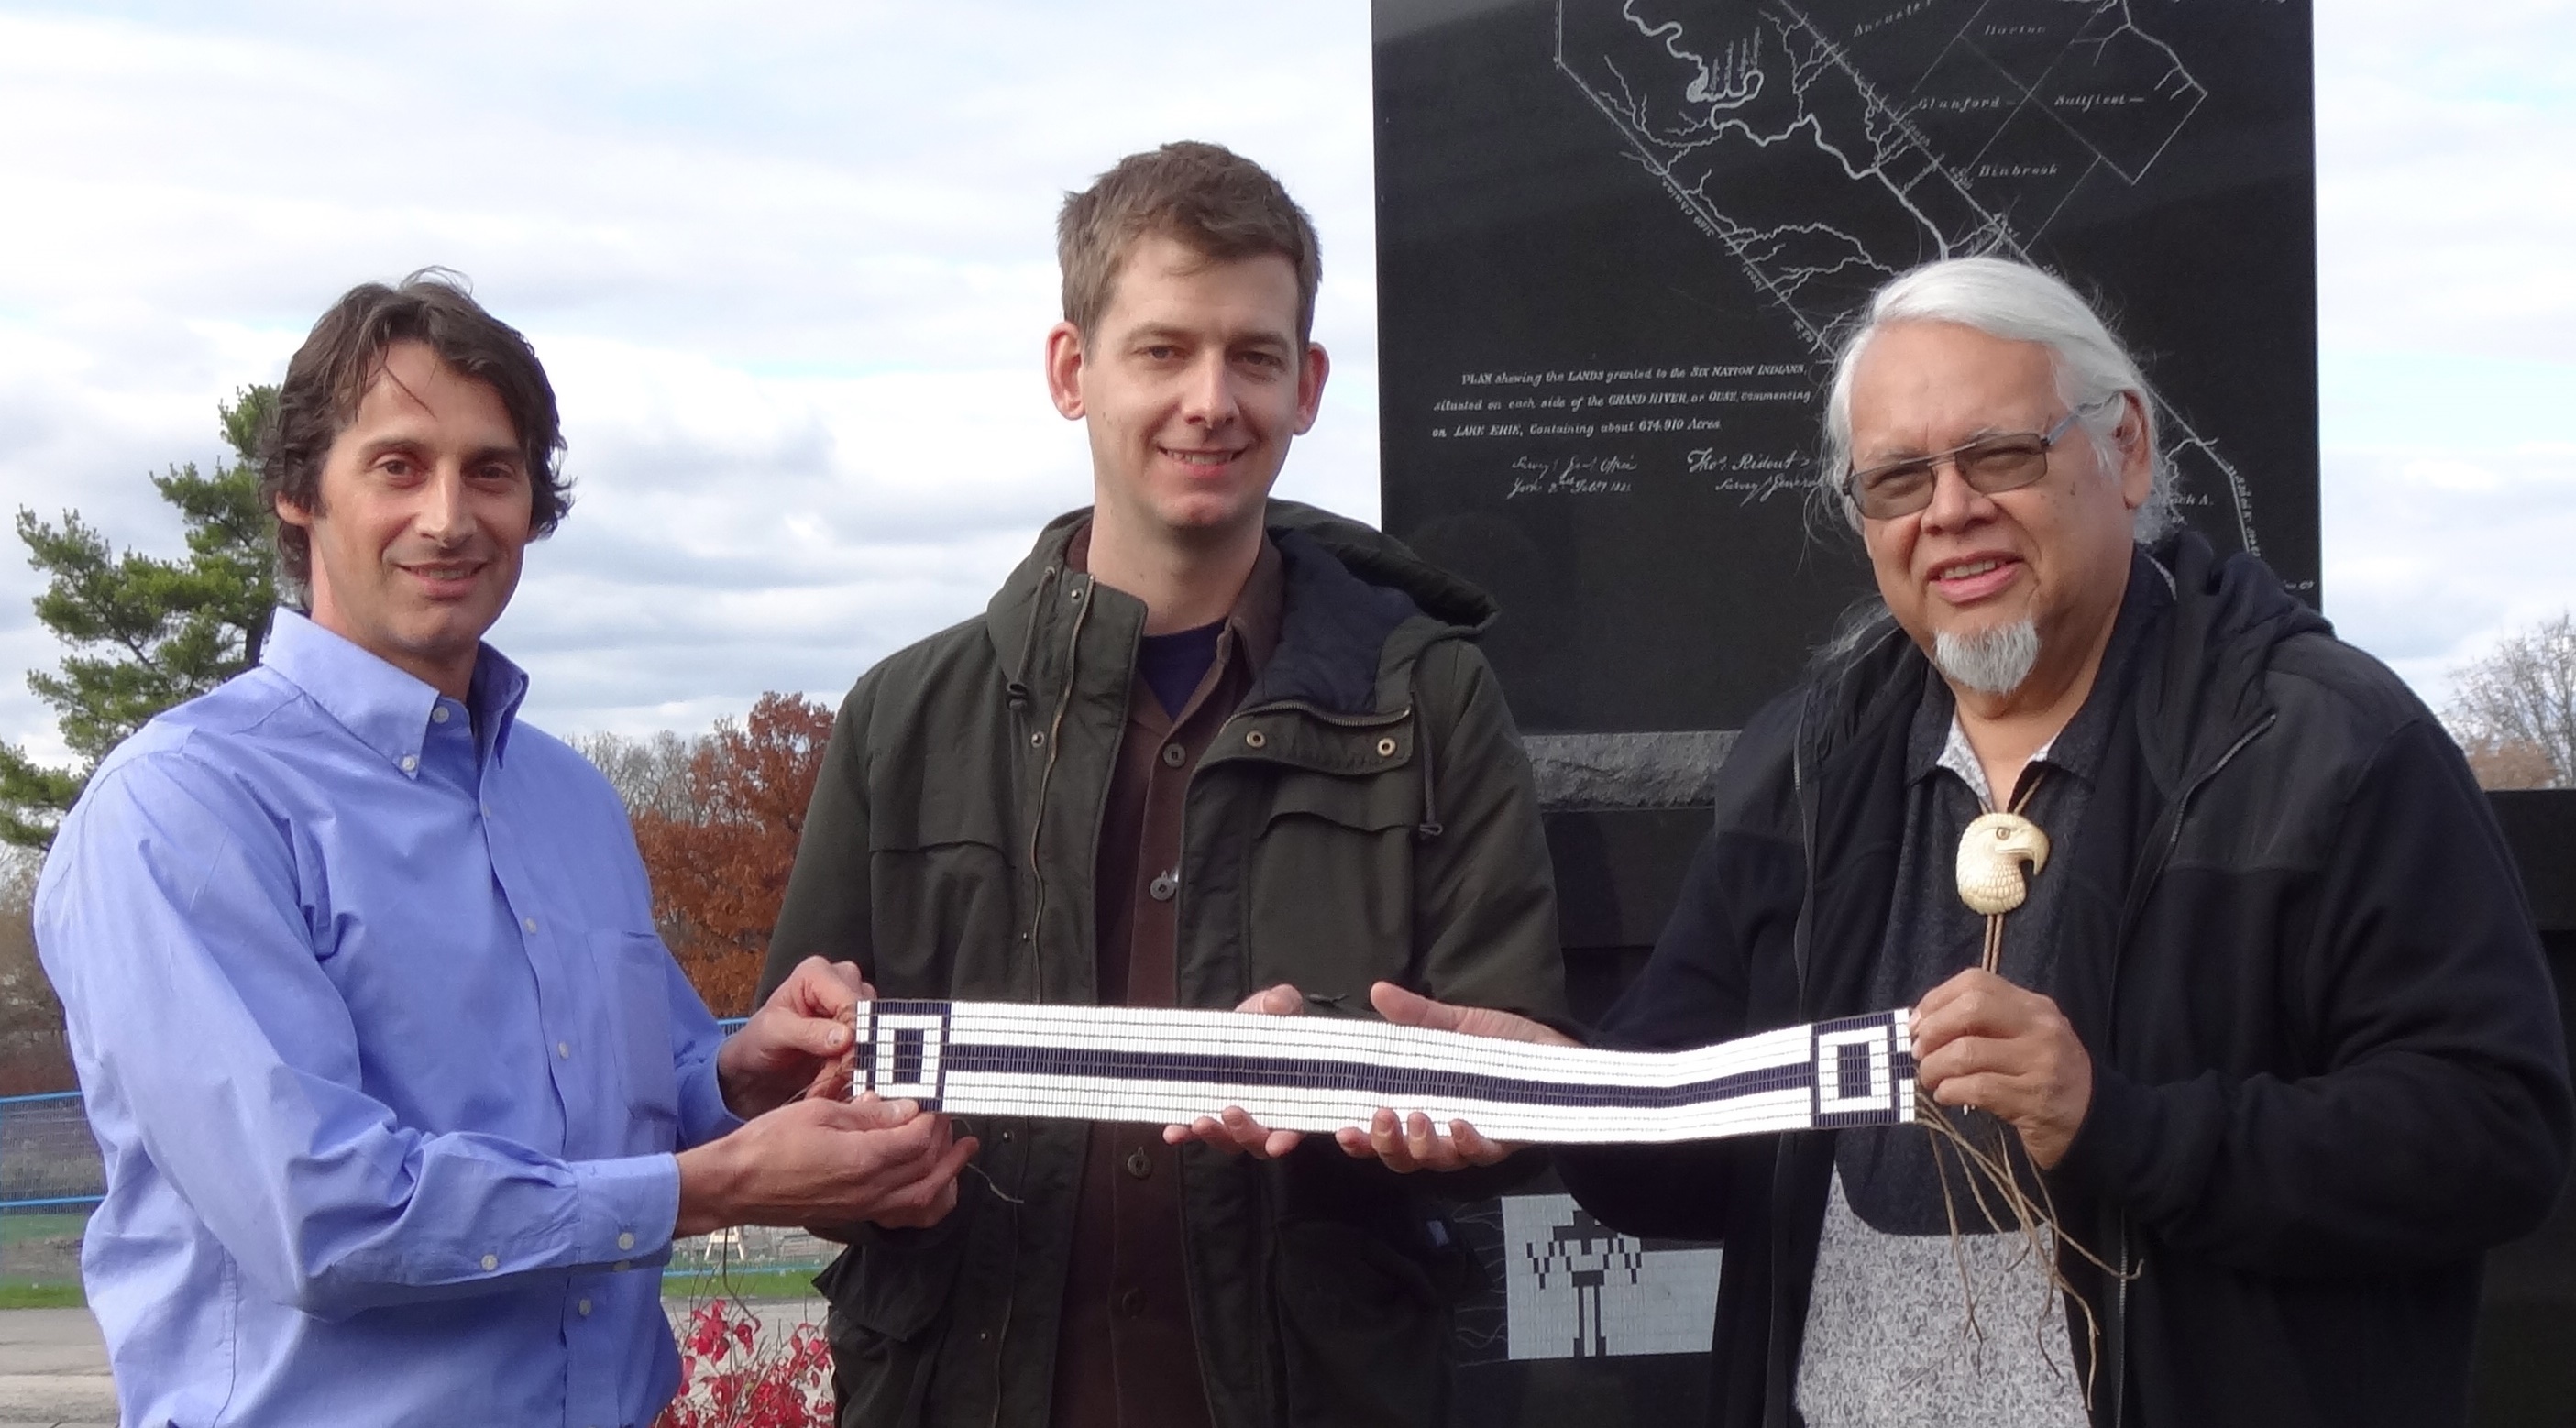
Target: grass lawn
<point>754,1284</point>
<point>741,1284</point>
<point>23,1295</point>
<point>15,1228</point>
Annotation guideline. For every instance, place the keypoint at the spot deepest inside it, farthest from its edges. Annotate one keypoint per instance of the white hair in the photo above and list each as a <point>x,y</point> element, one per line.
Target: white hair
<point>2015,301</point>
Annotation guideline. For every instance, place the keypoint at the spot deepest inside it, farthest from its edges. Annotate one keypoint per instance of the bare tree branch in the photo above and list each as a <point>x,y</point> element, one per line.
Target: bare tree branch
<point>2515,709</point>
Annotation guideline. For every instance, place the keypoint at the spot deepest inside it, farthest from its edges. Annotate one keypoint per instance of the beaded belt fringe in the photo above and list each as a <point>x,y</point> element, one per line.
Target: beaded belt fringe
<point>1156,1066</point>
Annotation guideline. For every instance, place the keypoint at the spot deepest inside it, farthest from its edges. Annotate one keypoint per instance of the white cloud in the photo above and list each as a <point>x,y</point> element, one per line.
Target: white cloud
<point>789,264</point>
<point>2446,142</point>
<point>2415,540</point>
<point>789,267</point>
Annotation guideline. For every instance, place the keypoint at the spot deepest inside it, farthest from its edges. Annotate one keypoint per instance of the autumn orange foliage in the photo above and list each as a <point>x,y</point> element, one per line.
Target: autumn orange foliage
<point>720,873</point>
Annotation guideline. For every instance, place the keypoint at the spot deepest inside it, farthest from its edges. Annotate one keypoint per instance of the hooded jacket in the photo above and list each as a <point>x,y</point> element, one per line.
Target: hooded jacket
<point>2327,1064</point>
<point>1366,813</point>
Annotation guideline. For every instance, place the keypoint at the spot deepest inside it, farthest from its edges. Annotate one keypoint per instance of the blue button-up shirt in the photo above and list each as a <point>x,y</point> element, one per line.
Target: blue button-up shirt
<point>382,1052</point>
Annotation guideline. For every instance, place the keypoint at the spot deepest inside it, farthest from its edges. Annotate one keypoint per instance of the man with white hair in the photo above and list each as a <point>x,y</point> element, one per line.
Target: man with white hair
<point>2261,1061</point>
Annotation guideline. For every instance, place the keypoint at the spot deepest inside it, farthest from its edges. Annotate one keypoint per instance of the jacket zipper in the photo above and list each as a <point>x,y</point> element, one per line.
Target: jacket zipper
<point>1054,736</point>
<point>2148,872</point>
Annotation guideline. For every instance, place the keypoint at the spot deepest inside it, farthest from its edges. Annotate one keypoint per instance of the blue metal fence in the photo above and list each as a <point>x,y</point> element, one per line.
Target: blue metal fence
<point>50,1176</point>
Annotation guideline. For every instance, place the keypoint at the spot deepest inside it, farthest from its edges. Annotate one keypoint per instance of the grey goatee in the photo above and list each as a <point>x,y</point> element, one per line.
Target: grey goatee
<point>1990,661</point>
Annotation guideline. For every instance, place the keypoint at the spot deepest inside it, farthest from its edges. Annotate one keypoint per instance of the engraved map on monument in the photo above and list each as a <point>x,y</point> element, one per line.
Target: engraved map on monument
<point>1827,146</point>
<point>1616,239</point>
<point>1835,145</point>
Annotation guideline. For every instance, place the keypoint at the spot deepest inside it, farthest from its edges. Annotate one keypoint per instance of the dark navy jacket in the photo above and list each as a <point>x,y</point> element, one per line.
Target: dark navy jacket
<point>2328,1071</point>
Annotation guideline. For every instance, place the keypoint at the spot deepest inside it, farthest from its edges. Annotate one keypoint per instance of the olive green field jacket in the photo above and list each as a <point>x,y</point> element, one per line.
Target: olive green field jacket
<point>1366,813</point>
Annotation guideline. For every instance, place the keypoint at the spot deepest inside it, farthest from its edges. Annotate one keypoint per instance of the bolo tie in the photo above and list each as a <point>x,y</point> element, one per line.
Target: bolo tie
<point>1998,855</point>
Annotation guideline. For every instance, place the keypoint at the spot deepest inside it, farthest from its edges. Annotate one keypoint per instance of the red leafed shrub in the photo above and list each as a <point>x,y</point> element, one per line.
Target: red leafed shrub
<point>729,1379</point>
<point>720,873</point>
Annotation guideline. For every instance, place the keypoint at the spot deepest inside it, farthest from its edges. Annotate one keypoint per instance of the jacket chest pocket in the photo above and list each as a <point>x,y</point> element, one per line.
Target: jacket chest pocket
<point>940,877</point>
<point>1330,884</point>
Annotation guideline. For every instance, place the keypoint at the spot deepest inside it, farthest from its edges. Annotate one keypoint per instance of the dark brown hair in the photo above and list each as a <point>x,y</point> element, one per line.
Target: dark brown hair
<point>1211,200</point>
<point>330,374</point>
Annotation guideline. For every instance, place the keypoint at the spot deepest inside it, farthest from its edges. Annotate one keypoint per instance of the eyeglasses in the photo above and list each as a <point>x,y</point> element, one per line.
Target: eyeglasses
<point>1990,465</point>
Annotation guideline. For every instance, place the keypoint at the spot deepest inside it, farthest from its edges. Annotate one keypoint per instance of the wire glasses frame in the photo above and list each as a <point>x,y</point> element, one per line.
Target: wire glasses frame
<point>1991,465</point>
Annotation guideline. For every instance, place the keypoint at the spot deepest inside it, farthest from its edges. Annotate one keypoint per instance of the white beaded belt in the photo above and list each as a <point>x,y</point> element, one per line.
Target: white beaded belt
<point>1158,1066</point>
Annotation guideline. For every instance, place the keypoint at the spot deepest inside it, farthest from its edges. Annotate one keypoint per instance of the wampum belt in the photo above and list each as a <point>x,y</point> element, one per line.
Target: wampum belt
<point>1157,1067</point>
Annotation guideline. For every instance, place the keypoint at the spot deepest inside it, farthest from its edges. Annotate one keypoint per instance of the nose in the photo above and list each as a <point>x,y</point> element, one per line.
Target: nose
<point>443,514</point>
<point>1207,397</point>
<point>1955,503</point>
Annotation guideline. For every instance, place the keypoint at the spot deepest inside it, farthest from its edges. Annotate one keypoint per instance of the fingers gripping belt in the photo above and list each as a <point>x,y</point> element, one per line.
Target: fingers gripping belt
<point>1159,1067</point>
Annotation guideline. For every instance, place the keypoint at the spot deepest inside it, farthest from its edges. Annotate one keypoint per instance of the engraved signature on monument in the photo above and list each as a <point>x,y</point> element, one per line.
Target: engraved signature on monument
<point>1752,477</point>
<point>1571,476</point>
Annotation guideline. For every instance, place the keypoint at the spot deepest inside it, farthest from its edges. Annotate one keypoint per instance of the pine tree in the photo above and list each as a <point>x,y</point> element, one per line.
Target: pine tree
<point>145,633</point>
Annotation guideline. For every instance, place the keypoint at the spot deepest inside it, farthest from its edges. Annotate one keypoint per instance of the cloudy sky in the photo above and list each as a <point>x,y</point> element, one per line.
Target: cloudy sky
<point>789,265</point>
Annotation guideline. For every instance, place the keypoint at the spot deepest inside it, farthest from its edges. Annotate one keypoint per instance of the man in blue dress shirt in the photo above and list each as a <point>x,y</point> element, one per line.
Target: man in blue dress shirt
<point>402,1101</point>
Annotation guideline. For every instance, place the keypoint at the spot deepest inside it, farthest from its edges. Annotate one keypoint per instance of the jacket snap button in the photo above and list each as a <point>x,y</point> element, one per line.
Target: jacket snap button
<point>1162,887</point>
<point>1386,748</point>
<point>1138,1165</point>
<point>1172,755</point>
<point>1037,741</point>
<point>1256,739</point>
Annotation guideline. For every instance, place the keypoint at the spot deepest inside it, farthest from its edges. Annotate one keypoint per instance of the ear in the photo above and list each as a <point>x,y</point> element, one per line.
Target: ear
<point>1064,369</point>
<point>293,514</point>
<point>1311,372</point>
<point>2137,463</point>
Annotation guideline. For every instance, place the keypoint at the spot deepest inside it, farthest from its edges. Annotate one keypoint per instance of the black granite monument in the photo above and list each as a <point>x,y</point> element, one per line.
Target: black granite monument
<point>1615,240</point>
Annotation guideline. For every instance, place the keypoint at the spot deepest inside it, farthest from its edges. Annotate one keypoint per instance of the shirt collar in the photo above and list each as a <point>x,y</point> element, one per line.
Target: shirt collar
<point>387,709</point>
<point>1253,622</point>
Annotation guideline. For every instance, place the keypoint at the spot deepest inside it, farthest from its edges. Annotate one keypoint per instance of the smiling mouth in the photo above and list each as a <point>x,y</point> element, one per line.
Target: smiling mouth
<point>448,572</point>
<point>1967,569</point>
<point>1199,458</point>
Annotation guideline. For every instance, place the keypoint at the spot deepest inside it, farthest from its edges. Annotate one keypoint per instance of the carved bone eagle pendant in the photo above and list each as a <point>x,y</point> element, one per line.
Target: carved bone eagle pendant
<point>1991,855</point>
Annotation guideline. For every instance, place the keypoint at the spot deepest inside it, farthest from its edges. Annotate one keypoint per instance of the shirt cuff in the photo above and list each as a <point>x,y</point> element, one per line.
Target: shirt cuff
<point>628,1208</point>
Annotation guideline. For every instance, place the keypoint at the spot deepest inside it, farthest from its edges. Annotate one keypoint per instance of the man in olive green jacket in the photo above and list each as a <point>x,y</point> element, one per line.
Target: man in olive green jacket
<point>1329,794</point>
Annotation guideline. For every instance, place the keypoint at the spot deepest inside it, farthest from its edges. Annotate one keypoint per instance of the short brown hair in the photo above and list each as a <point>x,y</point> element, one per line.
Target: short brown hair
<point>1219,204</point>
<point>330,374</point>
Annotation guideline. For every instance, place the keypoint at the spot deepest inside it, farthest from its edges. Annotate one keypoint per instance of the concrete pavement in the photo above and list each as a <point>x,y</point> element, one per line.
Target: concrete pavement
<point>53,1371</point>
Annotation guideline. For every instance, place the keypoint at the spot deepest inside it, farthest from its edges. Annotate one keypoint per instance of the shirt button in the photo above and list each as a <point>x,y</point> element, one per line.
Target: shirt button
<point>438,713</point>
<point>409,763</point>
<point>1173,754</point>
<point>529,923</point>
<point>1162,887</point>
<point>584,1306</point>
<point>1131,1303</point>
<point>1138,1165</point>
<point>491,1261</point>
<point>625,1240</point>
<point>563,1051</point>
<point>487,810</point>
